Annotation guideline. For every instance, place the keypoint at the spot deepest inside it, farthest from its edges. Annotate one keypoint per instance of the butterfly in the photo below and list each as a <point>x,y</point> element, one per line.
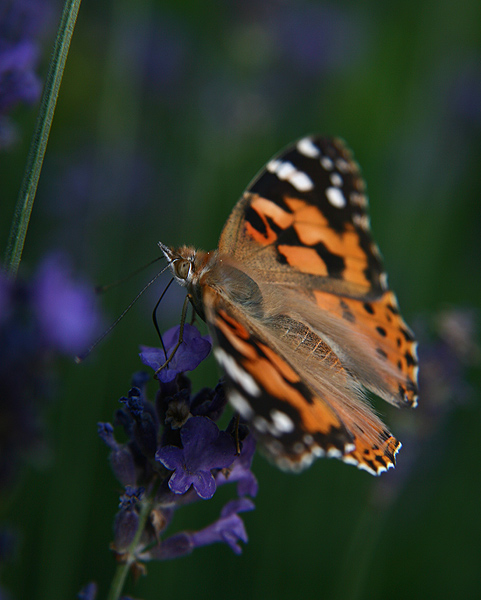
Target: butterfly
<point>302,319</point>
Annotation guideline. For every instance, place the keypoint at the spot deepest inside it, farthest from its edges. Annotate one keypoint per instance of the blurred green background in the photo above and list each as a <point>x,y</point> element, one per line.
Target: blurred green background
<point>166,111</point>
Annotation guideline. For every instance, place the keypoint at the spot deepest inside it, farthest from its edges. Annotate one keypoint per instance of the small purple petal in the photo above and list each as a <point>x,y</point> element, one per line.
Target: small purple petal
<point>106,434</point>
<point>125,527</point>
<point>238,505</point>
<point>240,471</point>
<point>191,352</point>
<point>175,546</point>
<point>180,481</point>
<point>88,592</point>
<point>204,484</point>
<point>171,457</point>
<point>204,448</point>
<point>209,403</point>
<point>228,529</point>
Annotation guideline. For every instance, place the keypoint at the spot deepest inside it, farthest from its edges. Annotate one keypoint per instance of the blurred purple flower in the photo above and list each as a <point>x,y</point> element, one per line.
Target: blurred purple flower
<point>448,347</point>
<point>168,55</point>
<point>21,24</point>
<point>314,38</point>
<point>191,352</point>
<point>65,308</point>
<point>464,95</point>
<point>88,592</point>
<point>39,320</point>
<point>204,448</point>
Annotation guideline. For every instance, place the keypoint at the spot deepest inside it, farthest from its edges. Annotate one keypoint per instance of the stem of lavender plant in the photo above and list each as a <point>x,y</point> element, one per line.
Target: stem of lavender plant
<point>38,145</point>
<point>122,571</point>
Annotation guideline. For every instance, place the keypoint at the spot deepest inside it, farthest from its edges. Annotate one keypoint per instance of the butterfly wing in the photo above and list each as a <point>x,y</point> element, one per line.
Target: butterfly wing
<point>302,404</point>
<point>303,225</point>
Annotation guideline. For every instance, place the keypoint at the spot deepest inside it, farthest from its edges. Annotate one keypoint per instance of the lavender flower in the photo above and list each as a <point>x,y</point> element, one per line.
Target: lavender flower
<point>49,316</point>
<point>176,454</point>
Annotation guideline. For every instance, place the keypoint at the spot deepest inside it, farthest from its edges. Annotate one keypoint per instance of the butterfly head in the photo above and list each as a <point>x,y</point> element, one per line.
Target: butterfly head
<point>186,263</point>
<point>181,263</point>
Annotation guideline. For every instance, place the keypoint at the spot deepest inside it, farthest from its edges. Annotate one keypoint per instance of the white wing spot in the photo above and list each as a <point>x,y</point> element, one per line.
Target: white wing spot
<point>237,373</point>
<point>383,281</point>
<point>361,221</point>
<point>298,448</point>
<point>336,179</point>
<point>285,170</point>
<point>240,404</point>
<point>336,197</point>
<point>327,163</point>
<point>288,172</point>
<point>261,424</point>
<point>334,453</point>
<point>307,148</point>
<point>301,182</point>
<point>282,422</point>
<point>343,165</point>
<point>358,199</point>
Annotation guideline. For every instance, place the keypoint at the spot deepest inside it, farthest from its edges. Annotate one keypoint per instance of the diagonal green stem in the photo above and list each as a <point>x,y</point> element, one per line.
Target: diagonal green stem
<point>38,145</point>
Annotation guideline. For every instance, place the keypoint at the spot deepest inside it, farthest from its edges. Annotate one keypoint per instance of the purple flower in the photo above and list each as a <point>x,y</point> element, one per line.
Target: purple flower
<point>121,458</point>
<point>239,471</point>
<point>191,455</point>
<point>204,448</point>
<point>127,519</point>
<point>65,308</point>
<point>317,38</point>
<point>18,81</point>
<point>88,592</point>
<point>191,352</point>
<point>34,329</point>
<point>21,23</point>
<point>229,528</point>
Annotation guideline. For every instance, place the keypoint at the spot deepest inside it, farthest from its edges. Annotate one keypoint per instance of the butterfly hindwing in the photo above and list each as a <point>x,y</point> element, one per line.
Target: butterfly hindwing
<point>293,418</point>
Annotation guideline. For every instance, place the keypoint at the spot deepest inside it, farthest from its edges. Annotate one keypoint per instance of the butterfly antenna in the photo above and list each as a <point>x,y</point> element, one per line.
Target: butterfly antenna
<point>154,316</point>
<point>100,289</point>
<point>80,357</point>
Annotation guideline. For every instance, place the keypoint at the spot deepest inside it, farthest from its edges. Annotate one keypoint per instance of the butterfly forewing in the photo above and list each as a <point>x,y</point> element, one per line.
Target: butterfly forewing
<point>303,223</point>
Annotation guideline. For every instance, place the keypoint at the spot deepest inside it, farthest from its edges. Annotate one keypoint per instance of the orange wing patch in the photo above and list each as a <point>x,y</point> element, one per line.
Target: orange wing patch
<point>392,340</point>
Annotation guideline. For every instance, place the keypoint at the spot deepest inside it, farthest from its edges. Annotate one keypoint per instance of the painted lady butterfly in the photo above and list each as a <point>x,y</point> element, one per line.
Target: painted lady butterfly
<point>296,300</point>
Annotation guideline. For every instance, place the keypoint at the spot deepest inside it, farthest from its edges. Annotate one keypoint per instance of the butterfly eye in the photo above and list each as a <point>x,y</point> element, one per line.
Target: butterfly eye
<point>182,268</point>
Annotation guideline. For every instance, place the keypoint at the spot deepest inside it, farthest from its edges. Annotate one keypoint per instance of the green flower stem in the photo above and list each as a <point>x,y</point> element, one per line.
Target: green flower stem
<point>38,145</point>
<point>122,571</point>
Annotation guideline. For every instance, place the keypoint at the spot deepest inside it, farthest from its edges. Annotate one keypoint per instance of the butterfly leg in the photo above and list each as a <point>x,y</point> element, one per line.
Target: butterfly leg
<point>236,435</point>
<point>181,335</point>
